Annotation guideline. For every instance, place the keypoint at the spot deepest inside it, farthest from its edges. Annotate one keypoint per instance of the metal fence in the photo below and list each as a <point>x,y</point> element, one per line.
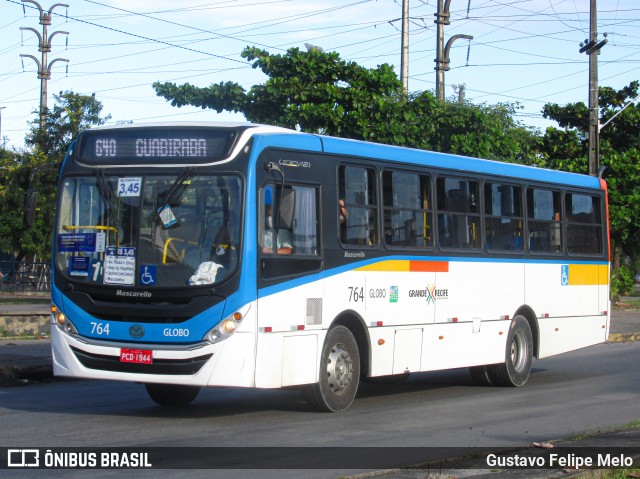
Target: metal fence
<point>24,276</point>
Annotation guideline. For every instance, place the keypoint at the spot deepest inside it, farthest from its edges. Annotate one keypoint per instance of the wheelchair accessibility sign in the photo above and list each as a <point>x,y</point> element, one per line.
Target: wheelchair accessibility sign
<point>147,275</point>
<point>564,279</point>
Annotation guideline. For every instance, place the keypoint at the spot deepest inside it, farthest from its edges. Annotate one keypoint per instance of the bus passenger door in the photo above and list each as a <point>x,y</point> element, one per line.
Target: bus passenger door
<point>289,296</point>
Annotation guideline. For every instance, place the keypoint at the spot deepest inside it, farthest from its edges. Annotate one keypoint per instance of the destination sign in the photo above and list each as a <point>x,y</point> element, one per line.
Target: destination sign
<point>175,145</point>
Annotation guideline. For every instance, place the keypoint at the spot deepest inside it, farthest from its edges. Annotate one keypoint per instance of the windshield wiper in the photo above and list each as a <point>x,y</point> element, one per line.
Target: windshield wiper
<point>178,186</point>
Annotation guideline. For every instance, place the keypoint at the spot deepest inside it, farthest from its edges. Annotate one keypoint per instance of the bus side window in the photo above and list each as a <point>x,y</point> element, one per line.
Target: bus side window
<point>503,217</point>
<point>407,217</point>
<point>458,213</point>
<point>584,230</point>
<point>544,225</point>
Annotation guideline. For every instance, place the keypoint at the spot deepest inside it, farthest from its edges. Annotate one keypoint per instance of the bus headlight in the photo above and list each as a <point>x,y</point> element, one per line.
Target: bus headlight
<point>227,326</point>
<point>63,323</point>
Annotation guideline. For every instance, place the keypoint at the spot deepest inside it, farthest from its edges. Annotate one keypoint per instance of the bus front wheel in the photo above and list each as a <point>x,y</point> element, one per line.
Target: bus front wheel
<point>172,395</point>
<point>339,372</point>
<point>516,369</point>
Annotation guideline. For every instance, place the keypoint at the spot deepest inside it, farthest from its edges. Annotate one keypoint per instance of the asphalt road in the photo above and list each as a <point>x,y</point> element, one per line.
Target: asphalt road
<point>583,391</point>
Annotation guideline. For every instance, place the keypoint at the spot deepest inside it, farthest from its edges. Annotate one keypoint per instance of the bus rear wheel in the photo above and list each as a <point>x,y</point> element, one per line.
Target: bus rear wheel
<point>516,369</point>
<point>339,372</point>
<point>172,395</point>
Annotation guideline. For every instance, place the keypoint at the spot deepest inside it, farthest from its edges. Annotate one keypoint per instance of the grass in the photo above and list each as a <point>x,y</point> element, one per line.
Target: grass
<point>611,474</point>
<point>628,426</point>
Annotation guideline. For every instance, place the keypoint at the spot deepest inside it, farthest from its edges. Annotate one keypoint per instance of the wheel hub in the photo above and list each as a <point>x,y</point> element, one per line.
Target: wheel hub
<point>339,368</point>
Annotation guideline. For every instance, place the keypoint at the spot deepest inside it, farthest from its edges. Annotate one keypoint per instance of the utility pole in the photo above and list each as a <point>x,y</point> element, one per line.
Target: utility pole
<point>404,57</point>
<point>442,50</point>
<point>44,47</point>
<point>592,48</point>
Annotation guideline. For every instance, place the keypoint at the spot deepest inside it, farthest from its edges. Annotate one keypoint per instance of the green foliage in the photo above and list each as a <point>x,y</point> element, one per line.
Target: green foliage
<point>21,170</point>
<point>623,281</point>
<point>71,114</point>
<point>318,92</point>
<point>14,237</point>
<point>619,152</point>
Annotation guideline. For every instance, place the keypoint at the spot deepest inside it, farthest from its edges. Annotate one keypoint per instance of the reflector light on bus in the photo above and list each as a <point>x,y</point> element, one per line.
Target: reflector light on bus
<point>268,329</point>
<point>378,323</point>
<point>506,316</point>
<point>301,327</point>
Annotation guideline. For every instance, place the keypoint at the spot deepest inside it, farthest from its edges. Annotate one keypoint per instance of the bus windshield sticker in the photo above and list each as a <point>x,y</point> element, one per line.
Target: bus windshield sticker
<point>166,216</point>
<point>148,275</point>
<point>120,266</point>
<point>77,242</point>
<point>129,186</point>
<point>101,242</point>
<point>79,266</point>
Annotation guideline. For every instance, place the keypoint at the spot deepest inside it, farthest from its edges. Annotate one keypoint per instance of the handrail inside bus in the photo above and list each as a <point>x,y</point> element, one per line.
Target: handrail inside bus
<point>99,228</point>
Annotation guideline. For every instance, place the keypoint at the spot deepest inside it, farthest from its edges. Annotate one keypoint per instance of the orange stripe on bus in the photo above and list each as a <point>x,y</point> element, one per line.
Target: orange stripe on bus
<point>429,266</point>
<point>415,266</point>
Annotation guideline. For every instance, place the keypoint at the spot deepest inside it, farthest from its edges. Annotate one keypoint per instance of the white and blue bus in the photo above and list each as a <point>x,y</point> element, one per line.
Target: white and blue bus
<point>201,255</point>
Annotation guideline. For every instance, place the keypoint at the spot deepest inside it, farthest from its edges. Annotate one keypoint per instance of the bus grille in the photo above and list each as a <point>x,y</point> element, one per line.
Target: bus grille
<point>159,366</point>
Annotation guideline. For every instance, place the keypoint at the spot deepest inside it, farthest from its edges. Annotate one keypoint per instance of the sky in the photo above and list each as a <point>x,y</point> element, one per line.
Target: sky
<point>523,51</point>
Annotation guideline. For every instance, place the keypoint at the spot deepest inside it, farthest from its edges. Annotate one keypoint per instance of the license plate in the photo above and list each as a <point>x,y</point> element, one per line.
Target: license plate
<point>138,356</point>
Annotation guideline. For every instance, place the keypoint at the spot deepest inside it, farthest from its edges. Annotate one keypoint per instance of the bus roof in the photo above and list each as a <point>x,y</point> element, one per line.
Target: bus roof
<point>464,164</point>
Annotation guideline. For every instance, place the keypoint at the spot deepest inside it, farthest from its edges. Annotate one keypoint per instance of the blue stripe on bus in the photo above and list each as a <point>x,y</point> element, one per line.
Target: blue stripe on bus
<point>293,283</point>
<point>410,156</point>
<point>456,162</point>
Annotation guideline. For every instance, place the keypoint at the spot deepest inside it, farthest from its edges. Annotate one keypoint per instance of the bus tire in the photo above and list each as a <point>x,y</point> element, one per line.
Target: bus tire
<point>172,395</point>
<point>515,371</point>
<point>481,375</point>
<point>339,372</point>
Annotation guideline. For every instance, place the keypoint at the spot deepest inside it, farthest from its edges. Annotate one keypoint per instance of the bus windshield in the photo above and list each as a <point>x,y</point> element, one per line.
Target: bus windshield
<point>156,230</point>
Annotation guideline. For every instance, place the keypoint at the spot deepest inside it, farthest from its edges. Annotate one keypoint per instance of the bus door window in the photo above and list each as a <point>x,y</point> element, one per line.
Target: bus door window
<point>275,238</point>
<point>503,217</point>
<point>544,226</point>
<point>458,213</point>
<point>300,237</point>
<point>305,221</point>
<point>357,189</point>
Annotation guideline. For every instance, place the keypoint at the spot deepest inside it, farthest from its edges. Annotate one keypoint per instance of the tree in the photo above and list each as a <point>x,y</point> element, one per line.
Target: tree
<point>318,92</point>
<point>619,151</point>
<point>21,170</point>
<point>71,114</point>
